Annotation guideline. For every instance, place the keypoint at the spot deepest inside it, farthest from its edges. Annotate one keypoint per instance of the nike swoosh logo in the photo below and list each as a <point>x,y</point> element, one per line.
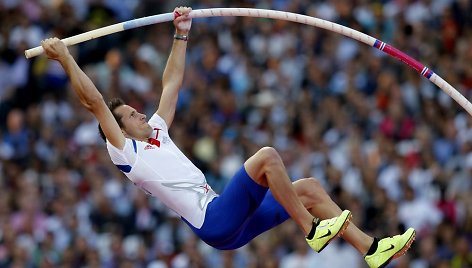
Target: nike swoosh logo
<point>325,235</point>
<point>390,248</point>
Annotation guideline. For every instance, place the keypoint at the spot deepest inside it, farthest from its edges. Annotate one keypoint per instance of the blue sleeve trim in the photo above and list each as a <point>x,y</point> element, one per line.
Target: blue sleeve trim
<point>124,168</point>
<point>135,146</point>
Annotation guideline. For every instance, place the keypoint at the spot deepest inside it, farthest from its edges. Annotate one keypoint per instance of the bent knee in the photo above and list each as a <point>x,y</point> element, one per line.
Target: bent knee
<point>269,156</point>
<point>267,152</point>
<point>261,162</point>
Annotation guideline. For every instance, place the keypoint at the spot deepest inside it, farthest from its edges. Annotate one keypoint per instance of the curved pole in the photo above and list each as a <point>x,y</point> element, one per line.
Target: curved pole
<point>272,14</point>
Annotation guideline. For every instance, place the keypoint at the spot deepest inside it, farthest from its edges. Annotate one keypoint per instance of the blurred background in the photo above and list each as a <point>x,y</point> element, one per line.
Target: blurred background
<point>384,141</point>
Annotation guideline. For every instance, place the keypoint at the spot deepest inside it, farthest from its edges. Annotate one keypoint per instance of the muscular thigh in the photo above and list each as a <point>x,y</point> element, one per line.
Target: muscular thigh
<point>268,215</point>
<point>227,213</point>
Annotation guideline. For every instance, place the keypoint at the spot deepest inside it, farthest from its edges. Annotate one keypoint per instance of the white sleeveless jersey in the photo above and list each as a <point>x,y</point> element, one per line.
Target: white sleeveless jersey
<point>160,169</point>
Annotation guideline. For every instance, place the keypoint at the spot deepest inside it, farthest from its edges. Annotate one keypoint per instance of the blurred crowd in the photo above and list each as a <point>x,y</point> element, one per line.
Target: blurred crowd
<point>385,142</point>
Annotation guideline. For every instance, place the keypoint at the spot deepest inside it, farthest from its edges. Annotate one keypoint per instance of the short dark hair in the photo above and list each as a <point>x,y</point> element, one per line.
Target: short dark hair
<point>112,105</point>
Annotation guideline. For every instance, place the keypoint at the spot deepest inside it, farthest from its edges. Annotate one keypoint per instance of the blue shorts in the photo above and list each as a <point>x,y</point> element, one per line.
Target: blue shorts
<point>244,210</point>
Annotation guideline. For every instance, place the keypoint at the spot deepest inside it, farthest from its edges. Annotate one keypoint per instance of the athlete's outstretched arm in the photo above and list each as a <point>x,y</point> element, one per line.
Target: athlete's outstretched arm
<point>88,94</point>
<point>174,70</point>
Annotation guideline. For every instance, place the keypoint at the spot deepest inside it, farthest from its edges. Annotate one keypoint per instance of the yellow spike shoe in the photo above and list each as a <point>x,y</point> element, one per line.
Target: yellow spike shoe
<point>390,248</point>
<point>329,229</point>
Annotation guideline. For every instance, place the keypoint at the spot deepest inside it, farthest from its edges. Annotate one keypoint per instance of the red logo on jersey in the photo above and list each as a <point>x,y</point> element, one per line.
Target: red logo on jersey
<point>149,146</point>
<point>155,141</point>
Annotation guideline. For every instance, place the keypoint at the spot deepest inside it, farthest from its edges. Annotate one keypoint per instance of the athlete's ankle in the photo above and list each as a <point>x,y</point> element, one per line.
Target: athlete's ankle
<point>373,247</point>
<point>315,223</point>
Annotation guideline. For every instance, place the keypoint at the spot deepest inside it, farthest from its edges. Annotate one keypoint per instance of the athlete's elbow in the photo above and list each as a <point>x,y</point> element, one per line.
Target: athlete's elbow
<point>93,102</point>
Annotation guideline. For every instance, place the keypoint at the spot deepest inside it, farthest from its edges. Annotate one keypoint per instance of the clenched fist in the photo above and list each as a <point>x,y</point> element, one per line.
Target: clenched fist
<point>182,22</point>
<point>54,48</point>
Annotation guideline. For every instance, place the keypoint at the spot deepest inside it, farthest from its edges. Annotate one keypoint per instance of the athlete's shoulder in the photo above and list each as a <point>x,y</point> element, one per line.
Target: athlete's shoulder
<point>130,145</point>
<point>125,156</point>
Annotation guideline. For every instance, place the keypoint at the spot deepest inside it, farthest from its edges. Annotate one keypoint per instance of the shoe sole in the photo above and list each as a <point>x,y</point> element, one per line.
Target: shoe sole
<point>341,230</point>
<point>402,251</point>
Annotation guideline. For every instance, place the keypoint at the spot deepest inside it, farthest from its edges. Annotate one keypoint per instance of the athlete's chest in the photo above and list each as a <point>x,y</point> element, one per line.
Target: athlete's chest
<point>158,150</point>
<point>158,139</point>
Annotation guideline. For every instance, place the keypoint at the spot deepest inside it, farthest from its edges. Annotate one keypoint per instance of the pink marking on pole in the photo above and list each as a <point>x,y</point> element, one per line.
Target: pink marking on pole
<point>404,57</point>
<point>392,51</point>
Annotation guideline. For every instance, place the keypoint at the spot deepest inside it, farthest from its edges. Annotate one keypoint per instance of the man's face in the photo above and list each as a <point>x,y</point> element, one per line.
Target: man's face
<point>134,123</point>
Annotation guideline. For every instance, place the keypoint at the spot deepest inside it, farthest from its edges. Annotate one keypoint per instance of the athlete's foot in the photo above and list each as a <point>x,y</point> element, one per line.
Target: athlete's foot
<point>390,248</point>
<point>327,230</point>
